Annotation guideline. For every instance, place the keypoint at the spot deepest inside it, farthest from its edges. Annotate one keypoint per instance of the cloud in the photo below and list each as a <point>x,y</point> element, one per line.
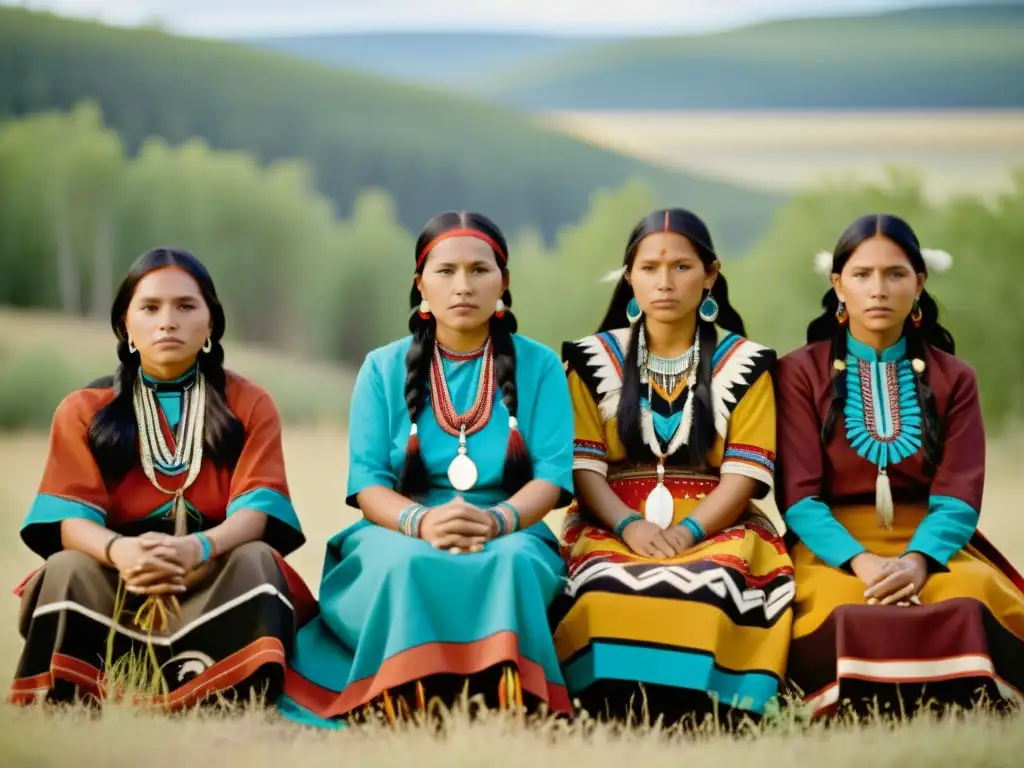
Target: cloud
<point>254,17</point>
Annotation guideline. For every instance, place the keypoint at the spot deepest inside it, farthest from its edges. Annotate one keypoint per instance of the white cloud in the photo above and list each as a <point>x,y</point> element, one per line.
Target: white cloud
<point>245,17</point>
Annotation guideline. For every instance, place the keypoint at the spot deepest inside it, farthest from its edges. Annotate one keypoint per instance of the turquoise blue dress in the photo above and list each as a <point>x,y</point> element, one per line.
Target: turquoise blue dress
<point>393,610</point>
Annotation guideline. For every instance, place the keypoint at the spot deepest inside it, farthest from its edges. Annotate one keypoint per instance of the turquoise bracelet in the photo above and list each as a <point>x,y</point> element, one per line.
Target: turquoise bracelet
<point>499,520</point>
<point>626,522</point>
<point>694,527</point>
<point>206,544</point>
<point>409,519</point>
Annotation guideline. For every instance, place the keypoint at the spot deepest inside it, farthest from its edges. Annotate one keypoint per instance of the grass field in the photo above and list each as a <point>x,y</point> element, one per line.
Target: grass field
<point>317,470</point>
<point>956,152</point>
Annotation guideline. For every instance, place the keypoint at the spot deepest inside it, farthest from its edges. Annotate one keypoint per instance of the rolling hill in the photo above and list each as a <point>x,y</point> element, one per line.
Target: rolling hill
<point>968,57</point>
<point>432,151</point>
<point>444,59</point>
<point>963,56</point>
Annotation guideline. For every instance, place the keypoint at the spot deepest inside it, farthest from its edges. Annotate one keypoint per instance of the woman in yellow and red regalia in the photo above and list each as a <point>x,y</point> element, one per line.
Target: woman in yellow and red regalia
<point>166,481</point>
<point>687,595</point>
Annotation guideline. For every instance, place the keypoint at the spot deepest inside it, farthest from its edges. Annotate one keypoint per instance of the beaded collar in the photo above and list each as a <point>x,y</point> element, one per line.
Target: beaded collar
<point>883,415</point>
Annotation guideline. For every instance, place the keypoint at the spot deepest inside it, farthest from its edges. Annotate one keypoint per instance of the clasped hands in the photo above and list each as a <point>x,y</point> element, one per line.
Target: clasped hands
<point>649,540</point>
<point>891,580</point>
<point>458,527</point>
<point>155,563</point>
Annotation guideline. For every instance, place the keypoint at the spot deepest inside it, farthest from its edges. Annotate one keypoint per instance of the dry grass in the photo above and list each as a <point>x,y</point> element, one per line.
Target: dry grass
<point>956,152</point>
<point>123,740</point>
<point>317,470</point>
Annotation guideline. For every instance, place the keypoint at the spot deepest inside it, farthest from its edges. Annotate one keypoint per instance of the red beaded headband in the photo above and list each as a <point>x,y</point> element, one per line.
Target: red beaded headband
<point>461,232</point>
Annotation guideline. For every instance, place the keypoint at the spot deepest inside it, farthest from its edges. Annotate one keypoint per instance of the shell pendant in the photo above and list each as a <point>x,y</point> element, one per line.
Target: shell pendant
<point>660,506</point>
<point>462,472</point>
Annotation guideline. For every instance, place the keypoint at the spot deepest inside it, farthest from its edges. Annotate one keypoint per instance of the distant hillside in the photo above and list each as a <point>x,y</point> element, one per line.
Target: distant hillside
<point>430,150</point>
<point>968,55</point>
<point>439,58</point>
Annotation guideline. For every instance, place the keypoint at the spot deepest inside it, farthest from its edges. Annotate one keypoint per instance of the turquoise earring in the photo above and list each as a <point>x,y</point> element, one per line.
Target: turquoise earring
<point>633,312</point>
<point>708,309</point>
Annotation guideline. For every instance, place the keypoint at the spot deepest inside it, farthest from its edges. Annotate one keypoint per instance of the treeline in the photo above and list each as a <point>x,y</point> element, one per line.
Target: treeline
<point>75,210</point>
<point>428,149</point>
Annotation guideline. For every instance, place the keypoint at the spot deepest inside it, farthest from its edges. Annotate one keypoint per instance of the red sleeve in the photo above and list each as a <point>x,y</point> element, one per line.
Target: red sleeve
<point>961,470</point>
<point>261,463</point>
<point>71,472</point>
<point>799,466</point>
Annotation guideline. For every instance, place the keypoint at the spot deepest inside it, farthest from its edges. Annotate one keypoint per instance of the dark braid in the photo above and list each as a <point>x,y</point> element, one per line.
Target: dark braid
<point>518,465</point>
<point>224,433</point>
<point>931,426</point>
<point>628,416</point>
<point>840,384</point>
<point>113,432</point>
<point>414,479</point>
<point>930,333</point>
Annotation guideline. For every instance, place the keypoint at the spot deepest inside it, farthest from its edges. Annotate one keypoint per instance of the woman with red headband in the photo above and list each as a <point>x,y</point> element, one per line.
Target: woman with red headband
<point>460,443</point>
<point>679,592</point>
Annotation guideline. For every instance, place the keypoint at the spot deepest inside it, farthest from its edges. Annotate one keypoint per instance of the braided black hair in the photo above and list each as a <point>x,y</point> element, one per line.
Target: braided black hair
<point>926,332</point>
<point>518,470</point>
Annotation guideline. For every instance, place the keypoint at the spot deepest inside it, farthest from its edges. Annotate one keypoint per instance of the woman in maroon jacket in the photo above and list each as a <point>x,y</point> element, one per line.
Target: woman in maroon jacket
<point>881,466</point>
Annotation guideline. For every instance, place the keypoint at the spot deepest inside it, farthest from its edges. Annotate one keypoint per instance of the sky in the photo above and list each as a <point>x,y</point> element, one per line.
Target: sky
<point>232,18</point>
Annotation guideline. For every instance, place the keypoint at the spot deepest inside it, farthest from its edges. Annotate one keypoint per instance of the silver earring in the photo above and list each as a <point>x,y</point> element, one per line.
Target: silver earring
<point>208,345</point>
<point>499,308</point>
<point>131,347</point>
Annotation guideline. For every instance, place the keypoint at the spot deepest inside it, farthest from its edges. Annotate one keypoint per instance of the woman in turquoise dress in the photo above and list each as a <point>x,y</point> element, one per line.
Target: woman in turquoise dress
<point>460,442</point>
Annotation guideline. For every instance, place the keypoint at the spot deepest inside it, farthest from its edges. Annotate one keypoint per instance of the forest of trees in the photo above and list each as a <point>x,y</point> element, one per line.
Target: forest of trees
<point>76,209</point>
<point>430,150</point>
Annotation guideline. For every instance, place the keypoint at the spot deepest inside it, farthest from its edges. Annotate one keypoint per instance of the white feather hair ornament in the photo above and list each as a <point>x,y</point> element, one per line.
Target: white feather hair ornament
<point>935,260</point>
<point>613,276</point>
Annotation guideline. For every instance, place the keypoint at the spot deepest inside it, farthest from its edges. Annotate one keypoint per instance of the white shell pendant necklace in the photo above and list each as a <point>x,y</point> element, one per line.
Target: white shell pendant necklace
<point>659,508</point>
<point>188,449</point>
<point>462,472</point>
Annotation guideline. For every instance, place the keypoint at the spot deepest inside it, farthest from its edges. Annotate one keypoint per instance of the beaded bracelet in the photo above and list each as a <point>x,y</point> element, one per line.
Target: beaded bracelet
<point>409,519</point>
<point>499,520</point>
<point>693,526</point>
<point>510,517</point>
<point>206,544</point>
<point>110,543</point>
<point>625,522</point>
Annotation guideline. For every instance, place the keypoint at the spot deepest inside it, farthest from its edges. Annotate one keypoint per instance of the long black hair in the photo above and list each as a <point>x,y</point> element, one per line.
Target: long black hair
<point>113,432</point>
<point>518,467</point>
<point>702,432</point>
<point>927,331</point>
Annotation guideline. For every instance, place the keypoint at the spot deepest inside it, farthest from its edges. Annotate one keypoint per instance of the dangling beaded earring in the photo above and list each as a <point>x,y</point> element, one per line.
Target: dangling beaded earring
<point>916,315</point>
<point>633,313</point>
<point>424,310</point>
<point>131,347</point>
<point>841,315</point>
<point>499,309</point>
<point>708,309</point>
<point>208,345</point>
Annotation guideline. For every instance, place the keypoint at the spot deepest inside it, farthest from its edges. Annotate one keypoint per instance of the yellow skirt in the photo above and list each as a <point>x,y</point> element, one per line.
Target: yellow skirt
<point>716,619</point>
<point>968,634</point>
